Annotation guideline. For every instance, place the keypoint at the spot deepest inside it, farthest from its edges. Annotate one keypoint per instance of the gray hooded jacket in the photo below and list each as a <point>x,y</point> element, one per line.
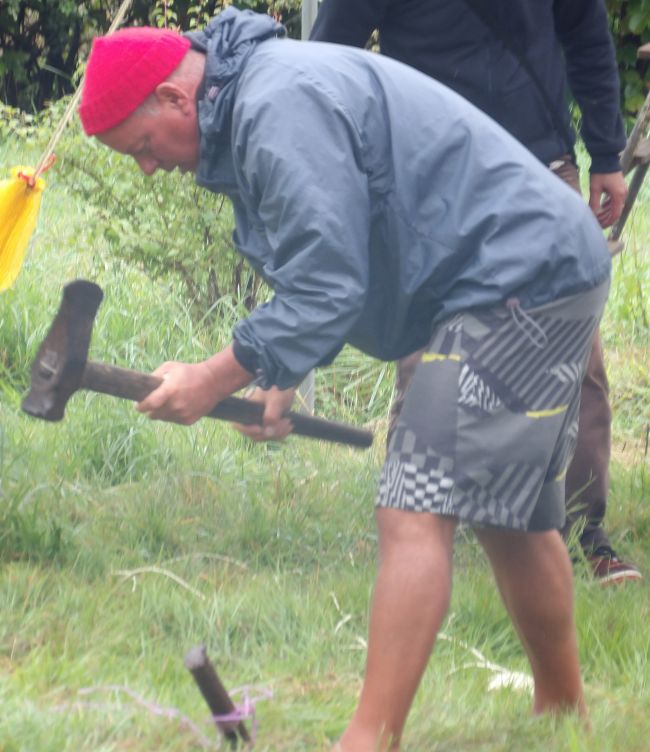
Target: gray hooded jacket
<point>374,200</point>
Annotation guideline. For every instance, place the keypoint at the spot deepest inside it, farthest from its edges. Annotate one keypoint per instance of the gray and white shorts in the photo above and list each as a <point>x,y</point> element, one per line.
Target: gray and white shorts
<point>486,417</point>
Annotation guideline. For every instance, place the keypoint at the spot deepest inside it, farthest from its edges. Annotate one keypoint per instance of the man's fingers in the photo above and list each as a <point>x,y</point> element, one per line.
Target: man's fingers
<point>155,400</point>
<point>607,192</point>
<point>165,368</point>
<point>267,432</point>
<point>159,396</point>
<point>279,429</point>
<point>166,402</point>
<point>595,202</point>
<point>604,213</point>
<point>273,412</point>
<point>617,204</point>
<point>274,426</point>
<point>255,433</point>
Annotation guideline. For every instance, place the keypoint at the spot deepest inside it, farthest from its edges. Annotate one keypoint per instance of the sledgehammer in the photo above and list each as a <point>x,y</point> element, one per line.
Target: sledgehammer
<point>61,368</point>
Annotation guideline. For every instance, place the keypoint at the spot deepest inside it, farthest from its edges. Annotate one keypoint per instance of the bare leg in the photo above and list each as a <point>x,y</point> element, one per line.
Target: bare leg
<point>533,573</point>
<point>410,601</point>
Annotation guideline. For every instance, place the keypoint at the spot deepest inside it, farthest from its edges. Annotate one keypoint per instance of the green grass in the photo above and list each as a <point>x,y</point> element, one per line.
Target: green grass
<point>124,542</point>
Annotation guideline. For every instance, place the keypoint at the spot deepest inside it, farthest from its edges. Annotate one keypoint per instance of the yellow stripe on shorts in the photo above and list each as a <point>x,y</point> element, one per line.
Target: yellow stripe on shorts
<point>546,413</point>
<point>430,357</point>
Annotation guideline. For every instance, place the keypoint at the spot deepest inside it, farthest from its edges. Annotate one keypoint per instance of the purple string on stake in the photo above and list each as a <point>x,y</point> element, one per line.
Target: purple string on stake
<point>245,710</point>
<point>155,709</point>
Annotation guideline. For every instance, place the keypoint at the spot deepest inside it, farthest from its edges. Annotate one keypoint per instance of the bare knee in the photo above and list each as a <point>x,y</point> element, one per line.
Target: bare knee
<point>414,535</point>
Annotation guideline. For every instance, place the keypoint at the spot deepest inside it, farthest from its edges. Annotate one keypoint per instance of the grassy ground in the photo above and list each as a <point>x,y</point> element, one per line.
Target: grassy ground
<point>124,543</point>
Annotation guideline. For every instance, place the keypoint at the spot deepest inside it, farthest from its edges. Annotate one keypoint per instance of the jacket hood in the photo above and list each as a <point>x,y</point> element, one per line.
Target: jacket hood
<point>229,39</point>
<point>227,42</point>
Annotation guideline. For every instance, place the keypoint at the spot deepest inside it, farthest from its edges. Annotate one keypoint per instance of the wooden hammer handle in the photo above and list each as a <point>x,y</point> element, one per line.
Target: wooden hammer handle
<point>133,385</point>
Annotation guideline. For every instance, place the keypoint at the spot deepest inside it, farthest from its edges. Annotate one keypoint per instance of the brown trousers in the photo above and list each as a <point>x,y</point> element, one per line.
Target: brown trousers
<point>587,479</point>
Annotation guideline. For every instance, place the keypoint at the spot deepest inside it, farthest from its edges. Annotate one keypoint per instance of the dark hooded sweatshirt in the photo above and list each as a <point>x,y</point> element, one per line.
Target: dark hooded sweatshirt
<point>565,42</point>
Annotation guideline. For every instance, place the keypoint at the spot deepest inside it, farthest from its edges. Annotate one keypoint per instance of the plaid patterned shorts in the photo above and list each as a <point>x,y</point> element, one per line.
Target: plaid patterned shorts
<point>485,418</point>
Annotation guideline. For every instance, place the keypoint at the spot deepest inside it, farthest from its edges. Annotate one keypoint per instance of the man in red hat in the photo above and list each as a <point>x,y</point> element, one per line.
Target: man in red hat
<point>388,213</point>
<point>151,57</point>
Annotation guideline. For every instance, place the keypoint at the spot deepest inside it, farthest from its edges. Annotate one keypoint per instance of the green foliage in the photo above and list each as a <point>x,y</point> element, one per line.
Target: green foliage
<point>27,526</point>
<point>630,24</point>
<point>191,14</point>
<point>626,332</point>
<point>356,385</point>
<point>15,122</point>
<point>268,558</point>
<point>626,324</point>
<point>43,44</point>
<point>163,225</point>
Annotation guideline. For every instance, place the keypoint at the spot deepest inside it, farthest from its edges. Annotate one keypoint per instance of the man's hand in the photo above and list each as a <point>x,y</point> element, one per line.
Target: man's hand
<point>190,391</point>
<point>607,192</point>
<point>276,403</point>
<point>186,394</point>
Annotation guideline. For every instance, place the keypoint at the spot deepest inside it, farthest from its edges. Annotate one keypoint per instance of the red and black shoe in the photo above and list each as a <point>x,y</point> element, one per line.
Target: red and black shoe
<point>608,569</point>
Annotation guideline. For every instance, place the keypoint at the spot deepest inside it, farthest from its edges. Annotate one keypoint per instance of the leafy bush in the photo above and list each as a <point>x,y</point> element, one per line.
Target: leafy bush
<point>190,14</point>
<point>630,24</point>
<point>42,44</point>
<point>164,225</point>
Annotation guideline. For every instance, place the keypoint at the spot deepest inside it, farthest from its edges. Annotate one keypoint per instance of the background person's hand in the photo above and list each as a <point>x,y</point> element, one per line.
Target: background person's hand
<point>607,192</point>
<point>276,403</point>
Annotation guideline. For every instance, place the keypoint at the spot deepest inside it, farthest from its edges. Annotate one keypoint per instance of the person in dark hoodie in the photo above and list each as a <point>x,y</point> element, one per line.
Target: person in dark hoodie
<point>516,60</point>
<point>387,212</point>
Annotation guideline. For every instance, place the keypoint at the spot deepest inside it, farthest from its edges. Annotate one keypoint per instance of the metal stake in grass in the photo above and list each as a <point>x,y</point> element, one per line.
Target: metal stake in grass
<point>215,694</point>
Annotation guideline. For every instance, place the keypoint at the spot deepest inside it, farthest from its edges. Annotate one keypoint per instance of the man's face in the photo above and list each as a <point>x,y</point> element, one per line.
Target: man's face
<point>161,135</point>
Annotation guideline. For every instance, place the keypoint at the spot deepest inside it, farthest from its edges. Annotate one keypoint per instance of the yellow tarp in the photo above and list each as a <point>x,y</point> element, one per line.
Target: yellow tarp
<point>19,205</point>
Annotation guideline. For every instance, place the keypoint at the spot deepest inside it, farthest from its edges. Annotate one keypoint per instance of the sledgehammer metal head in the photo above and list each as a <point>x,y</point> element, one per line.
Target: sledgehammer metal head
<point>59,365</point>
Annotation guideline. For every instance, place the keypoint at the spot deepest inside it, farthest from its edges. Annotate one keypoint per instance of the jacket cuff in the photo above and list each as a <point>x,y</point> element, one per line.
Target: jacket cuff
<point>245,356</point>
<point>603,163</point>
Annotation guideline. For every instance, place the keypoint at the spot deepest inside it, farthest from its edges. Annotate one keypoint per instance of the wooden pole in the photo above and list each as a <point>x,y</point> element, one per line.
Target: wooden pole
<point>635,157</point>
<point>218,700</point>
<point>306,392</point>
<point>308,16</point>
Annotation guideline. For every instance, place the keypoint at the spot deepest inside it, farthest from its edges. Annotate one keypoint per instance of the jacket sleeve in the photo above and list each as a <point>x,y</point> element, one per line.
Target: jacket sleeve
<point>348,22</point>
<point>307,192</point>
<point>583,31</point>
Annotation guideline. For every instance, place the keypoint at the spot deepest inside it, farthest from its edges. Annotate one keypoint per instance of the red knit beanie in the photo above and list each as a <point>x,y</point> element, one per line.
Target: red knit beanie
<point>123,70</point>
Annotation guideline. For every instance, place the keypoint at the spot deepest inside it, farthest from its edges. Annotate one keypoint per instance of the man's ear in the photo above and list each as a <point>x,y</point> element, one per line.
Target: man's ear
<point>172,95</point>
